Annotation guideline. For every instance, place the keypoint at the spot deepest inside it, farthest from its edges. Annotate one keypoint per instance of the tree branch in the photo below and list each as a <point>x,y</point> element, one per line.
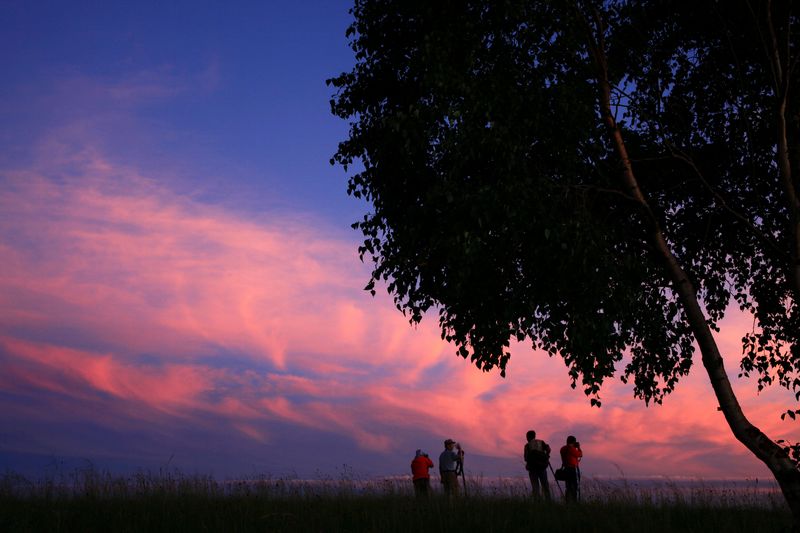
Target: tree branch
<point>616,192</point>
<point>783,162</point>
<point>722,203</point>
<point>775,75</point>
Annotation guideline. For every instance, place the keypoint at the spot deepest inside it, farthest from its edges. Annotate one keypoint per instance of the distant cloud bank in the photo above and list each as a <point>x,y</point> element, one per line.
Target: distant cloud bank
<point>126,306</point>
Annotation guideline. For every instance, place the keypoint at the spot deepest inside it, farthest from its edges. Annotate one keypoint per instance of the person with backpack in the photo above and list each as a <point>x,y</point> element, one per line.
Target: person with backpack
<point>537,459</point>
<point>571,455</point>
<point>421,478</point>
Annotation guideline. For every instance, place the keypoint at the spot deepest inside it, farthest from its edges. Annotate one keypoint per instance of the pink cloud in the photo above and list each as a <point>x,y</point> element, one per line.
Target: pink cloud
<point>76,372</point>
<point>262,320</point>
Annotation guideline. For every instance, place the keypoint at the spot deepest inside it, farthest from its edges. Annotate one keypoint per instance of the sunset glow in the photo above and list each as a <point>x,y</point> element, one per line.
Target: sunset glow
<point>164,292</point>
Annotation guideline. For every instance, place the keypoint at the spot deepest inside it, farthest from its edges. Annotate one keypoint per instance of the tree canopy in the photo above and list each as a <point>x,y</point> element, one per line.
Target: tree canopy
<point>601,179</point>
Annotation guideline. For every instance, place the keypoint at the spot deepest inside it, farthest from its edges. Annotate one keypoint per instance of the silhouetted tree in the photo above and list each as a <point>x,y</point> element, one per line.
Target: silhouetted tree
<point>603,179</point>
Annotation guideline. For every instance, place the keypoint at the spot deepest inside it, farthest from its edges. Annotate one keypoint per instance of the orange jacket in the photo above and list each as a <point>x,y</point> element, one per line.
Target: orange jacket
<point>420,466</point>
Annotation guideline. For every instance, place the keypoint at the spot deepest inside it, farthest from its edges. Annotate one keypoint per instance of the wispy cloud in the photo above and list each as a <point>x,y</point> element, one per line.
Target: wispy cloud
<point>141,303</point>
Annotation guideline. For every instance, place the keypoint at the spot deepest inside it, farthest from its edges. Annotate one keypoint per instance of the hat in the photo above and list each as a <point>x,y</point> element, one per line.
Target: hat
<point>449,441</point>
<point>420,452</point>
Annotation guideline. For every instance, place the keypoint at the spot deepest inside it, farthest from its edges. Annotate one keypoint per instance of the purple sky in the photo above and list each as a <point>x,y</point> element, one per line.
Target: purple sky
<point>179,284</point>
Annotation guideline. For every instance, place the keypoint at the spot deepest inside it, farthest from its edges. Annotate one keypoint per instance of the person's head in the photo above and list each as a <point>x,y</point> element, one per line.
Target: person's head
<point>449,443</point>
<point>530,435</point>
<point>571,440</point>
<point>420,452</point>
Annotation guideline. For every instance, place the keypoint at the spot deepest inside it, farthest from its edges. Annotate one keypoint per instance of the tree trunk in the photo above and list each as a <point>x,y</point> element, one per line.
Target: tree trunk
<point>771,454</point>
<point>782,71</point>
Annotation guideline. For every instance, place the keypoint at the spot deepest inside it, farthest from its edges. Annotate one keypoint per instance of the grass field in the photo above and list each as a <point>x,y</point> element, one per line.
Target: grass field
<point>96,501</point>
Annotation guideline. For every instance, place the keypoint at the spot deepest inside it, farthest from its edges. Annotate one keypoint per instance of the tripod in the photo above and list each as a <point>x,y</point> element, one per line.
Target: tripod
<point>554,477</point>
<point>460,470</point>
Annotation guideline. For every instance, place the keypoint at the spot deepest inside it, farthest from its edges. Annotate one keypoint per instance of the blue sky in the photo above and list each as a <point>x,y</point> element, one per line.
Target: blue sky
<point>247,90</point>
<point>179,283</point>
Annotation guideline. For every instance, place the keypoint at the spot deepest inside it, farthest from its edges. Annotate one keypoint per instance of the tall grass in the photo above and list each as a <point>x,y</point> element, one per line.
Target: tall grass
<point>91,500</point>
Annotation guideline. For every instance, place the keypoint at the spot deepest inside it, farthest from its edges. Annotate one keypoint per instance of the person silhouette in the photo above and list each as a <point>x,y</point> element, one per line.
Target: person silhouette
<point>537,459</point>
<point>420,475</point>
<point>571,455</point>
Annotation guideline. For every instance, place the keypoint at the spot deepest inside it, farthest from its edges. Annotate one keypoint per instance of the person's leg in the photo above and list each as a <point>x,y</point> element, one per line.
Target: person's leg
<point>534,482</point>
<point>542,479</point>
<point>571,493</point>
<point>448,479</point>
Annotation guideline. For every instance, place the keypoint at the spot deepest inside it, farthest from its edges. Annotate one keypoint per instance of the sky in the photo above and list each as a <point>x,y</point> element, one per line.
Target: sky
<point>180,285</point>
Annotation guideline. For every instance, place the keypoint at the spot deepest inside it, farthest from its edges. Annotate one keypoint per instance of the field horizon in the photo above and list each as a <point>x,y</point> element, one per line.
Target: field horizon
<point>93,500</point>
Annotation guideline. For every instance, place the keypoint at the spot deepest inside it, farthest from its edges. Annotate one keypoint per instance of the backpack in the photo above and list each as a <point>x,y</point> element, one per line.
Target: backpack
<point>536,456</point>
